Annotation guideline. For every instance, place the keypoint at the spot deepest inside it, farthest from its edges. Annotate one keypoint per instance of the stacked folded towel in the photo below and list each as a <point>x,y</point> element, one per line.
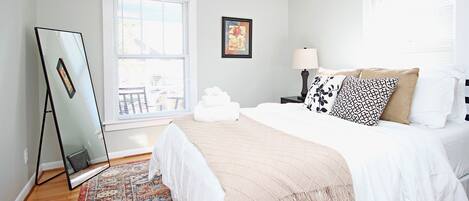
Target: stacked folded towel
<point>216,105</point>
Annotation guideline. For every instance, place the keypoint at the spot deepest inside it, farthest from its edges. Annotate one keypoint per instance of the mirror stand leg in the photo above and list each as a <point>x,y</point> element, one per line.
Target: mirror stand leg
<point>38,163</point>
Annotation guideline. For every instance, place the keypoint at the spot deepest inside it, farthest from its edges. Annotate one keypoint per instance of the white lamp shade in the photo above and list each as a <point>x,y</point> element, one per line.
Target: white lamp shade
<point>305,59</point>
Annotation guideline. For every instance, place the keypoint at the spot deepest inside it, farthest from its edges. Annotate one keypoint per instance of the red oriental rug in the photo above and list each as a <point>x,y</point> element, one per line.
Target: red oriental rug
<point>126,182</point>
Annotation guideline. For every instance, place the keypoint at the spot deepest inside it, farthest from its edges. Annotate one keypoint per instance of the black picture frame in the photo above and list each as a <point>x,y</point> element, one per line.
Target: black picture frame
<point>224,41</point>
<point>54,113</point>
<point>65,77</point>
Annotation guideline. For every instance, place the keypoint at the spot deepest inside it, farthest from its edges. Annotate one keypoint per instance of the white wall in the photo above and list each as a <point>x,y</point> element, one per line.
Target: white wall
<point>335,27</point>
<point>462,33</point>
<point>19,118</point>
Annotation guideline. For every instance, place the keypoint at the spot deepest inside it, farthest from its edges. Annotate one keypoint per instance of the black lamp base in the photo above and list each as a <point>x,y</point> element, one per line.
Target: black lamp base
<point>304,75</point>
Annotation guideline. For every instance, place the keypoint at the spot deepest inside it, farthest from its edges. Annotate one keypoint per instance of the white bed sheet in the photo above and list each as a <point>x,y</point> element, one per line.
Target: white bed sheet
<point>385,165</point>
<point>454,137</point>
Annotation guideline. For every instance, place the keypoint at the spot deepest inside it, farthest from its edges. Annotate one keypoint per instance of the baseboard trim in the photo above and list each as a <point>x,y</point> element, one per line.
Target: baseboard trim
<point>112,155</point>
<point>130,152</point>
<point>51,165</point>
<point>58,164</point>
<point>26,189</point>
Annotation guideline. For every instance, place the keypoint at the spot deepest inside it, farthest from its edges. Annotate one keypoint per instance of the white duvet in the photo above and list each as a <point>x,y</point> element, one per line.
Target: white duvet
<point>386,164</point>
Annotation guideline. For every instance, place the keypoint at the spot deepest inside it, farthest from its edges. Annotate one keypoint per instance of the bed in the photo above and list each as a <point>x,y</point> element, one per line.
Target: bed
<point>455,139</point>
<point>387,162</point>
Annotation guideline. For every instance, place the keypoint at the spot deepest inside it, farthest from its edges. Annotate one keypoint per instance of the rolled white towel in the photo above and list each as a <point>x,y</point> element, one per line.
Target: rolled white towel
<point>213,91</point>
<point>218,100</point>
<point>227,112</point>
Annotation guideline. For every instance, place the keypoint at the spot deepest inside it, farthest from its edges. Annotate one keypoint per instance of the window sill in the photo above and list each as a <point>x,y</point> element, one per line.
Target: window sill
<point>140,123</point>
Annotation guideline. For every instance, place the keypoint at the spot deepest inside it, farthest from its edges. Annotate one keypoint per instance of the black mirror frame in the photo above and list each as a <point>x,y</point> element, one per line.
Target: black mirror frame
<point>36,29</point>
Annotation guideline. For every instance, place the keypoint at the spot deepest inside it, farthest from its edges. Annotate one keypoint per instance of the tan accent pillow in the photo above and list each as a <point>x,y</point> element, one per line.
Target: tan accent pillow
<point>399,106</point>
<point>346,72</point>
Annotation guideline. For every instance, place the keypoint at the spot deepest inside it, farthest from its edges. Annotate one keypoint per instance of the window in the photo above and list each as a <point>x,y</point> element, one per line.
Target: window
<point>149,58</point>
<point>409,32</point>
<point>147,66</point>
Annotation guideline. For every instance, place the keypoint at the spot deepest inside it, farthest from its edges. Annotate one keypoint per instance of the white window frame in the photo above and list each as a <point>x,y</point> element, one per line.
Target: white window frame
<point>112,119</point>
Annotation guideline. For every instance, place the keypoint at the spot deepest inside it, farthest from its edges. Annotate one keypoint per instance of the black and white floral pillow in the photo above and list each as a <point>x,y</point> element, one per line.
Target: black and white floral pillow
<point>363,100</point>
<point>323,92</point>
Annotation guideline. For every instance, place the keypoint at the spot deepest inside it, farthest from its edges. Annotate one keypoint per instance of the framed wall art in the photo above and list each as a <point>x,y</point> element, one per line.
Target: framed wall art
<point>236,37</point>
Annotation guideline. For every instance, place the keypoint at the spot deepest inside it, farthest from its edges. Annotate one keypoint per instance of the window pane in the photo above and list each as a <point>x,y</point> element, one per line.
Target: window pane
<point>173,28</point>
<point>119,8</point>
<point>153,37</point>
<point>149,27</point>
<point>152,10</point>
<point>119,38</point>
<point>152,27</point>
<point>118,20</point>
<point>132,44</point>
<point>131,9</point>
<point>151,86</point>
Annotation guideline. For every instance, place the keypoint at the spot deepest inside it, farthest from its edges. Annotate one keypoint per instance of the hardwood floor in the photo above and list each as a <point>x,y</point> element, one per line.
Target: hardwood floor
<point>57,189</point>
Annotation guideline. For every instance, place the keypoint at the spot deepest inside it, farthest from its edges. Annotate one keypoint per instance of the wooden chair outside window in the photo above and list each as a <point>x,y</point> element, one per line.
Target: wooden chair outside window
<point>133,100</point>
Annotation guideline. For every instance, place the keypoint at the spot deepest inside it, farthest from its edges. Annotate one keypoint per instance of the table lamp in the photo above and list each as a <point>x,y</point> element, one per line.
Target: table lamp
<point>304,59</point>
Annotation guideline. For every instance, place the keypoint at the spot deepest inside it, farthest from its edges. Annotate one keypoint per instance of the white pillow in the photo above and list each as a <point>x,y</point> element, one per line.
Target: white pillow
<point>459,111</point>
<point>433,100</point>
<point>323,92</point>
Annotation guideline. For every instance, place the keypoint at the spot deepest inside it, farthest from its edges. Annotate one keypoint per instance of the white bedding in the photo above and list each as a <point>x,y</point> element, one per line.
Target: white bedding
<point>387,164</point>
<point>454,137</point>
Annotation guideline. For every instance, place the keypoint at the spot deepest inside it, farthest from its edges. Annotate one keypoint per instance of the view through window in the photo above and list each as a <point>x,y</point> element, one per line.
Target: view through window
<point>152,58</point>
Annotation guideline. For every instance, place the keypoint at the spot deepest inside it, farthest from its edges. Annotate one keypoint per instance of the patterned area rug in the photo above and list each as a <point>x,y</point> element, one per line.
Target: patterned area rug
<point>126,182</point>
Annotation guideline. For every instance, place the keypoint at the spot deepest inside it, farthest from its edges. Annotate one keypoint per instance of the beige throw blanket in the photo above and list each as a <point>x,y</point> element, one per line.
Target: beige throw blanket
<point>255,162</point>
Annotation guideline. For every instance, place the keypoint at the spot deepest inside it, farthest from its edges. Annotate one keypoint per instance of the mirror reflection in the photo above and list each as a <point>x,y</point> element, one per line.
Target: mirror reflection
<point>74,105</point>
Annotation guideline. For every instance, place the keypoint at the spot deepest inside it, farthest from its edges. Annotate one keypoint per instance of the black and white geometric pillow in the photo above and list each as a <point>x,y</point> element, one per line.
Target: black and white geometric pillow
<point>323,92</point>
<point>363,100</point>
<point>467,99</point>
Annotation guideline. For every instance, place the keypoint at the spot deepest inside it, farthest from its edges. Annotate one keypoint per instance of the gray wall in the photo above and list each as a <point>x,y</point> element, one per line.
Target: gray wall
<point>249,81</point>
<point>86,16</point>
<point>19,116</point>
<point>334,27</point>
<point>83,16</point>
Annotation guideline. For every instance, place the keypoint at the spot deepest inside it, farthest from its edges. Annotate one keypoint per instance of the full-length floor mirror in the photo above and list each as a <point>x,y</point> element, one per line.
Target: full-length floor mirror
<point>73,103</point>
